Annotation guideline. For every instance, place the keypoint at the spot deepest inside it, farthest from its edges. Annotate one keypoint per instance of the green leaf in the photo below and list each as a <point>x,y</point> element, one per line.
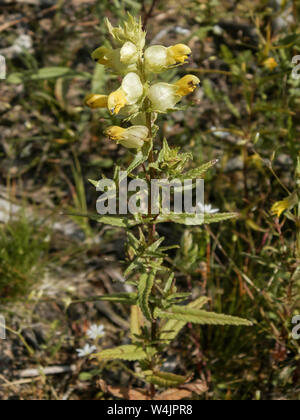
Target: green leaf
<point>289,40</point>
<point>194,219</point>
<point>136,320</point>
<point>127,352</point>
<point>198,172</point>
<point>219,217</point>
<point>140,157</point>
<point>196,316</point>
<point>117,221</point>
<point>93,182</point>
<point>165,379</point>
<point>15,78</point>
<point>127,298</point>
<point>50,73</point>
<point>172,327</point>
<point>145,285</point>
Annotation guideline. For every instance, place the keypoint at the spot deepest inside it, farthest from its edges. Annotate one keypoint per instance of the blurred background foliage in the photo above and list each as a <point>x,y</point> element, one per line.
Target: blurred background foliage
<point>246,114</point>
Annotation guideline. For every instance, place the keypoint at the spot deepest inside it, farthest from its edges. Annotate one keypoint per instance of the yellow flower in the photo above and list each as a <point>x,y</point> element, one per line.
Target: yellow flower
<point>159,58</point>
<point>270,63</point>
<point>116,101</point>
<point>121,60</point>
<point>279,207</point>
<point>164,96</point>
<point>179,54</point>
<point>287,204</point>
<point>187,84</point>
<point>96,101</point>
<point>131,138</point>
<point>130,92</point>
<point>102,55</point>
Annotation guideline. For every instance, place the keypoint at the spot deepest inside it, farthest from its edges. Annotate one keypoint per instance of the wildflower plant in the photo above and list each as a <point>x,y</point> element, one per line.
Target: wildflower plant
<point>158,310</point>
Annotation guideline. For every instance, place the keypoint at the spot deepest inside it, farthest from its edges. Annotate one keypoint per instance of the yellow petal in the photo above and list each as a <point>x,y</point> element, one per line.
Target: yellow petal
<point>96,101</point>
<point>280,207</point>
<point>116,101</point>
<point>270,63</point>
<point>187,84</point>
<point>115,132</point>
<point>102,56</point>
<point>179,54</point>
<point>131,138</point>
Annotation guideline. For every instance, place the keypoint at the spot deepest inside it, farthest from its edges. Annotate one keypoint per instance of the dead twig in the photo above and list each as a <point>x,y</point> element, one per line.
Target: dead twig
<point>8,25</point>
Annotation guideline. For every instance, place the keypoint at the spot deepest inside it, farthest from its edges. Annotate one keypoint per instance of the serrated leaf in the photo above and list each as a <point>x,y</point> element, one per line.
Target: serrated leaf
<point>117,221</point>
<point>135,322</point>
<point>199,172</point>
<point>194,219</point>
<point>172,327</point>
<point>183,313</point>
<point>219,217</point>
<point>165,379</point>
<point>140,157</point>
<point>128,352</point>
<point>145,285</point>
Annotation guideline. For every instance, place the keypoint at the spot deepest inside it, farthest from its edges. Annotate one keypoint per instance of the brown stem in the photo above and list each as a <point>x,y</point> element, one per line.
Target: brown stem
<point>148,14</point>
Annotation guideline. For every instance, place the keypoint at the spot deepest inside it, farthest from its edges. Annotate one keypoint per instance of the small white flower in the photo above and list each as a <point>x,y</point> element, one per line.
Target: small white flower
<point>95,331</point>
<point>86,351</point>
<point>207,209</point>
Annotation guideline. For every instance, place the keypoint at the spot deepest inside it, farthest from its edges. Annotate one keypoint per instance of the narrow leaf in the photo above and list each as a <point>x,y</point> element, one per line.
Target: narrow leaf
<point>144,290</point>
<point>172,327</point>
<point>199,172</point>
<point>183,313</point>
<point>127,352</point>
<point>165,379</point>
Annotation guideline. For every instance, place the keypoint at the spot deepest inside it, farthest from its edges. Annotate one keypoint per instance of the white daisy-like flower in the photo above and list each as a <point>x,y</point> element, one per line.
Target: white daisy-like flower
<point>86,351</point>
<point>207,209</point>
<point>95,331</point>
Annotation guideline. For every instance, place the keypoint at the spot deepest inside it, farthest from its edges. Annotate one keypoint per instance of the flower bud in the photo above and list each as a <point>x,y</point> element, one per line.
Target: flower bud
<point>121,60</point>
<point>178,54</point>
<point>187,84</point>
<point>131,31</point>
<point>270,63</point>
<point>95,101</point>
<point>156,58</point>
<point>163,96</point>
<point>159,58</point>
<point>131,138</point>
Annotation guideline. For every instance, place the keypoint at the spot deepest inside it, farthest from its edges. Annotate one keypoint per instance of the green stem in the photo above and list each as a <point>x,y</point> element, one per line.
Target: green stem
<point>151,237</point>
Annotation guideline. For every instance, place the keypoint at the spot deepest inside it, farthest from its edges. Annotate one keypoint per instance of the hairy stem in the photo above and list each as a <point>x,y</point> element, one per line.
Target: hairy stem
<point>151,236</point>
